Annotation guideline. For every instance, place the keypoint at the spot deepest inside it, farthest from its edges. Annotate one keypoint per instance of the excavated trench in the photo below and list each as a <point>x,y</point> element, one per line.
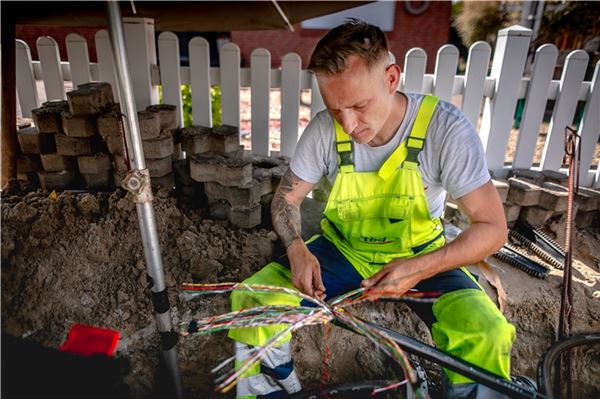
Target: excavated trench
<point>79,259</point>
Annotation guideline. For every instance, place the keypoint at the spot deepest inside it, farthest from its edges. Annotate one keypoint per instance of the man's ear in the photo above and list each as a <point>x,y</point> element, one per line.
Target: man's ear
<point>394,73</point>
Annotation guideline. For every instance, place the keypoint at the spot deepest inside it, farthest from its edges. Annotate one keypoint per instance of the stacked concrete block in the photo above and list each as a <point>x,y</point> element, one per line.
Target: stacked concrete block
<point>73,127</point>
<point>540,196</point>
<point>238,188</point>
<point>588,212</point>
<point>159,131</point>
<point>32,142</point>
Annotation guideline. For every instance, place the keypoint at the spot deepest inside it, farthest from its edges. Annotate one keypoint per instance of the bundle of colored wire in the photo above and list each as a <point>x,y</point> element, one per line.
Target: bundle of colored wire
<point>295,317</point>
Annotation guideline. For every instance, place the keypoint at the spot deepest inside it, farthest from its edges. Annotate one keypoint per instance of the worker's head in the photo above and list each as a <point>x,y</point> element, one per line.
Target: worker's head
<point>357,78</point>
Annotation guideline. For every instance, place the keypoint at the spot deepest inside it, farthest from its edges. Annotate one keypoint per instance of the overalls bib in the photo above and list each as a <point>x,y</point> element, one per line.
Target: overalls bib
<point>376,217</point>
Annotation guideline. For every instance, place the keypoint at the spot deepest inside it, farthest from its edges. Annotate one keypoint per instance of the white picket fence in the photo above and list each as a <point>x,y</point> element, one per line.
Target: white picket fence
<point>498,91</point>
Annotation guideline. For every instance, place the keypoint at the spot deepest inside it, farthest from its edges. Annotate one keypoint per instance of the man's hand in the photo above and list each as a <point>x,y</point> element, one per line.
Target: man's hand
<point>285,211</point>
<point>398,276</point>
<point>306,270</point>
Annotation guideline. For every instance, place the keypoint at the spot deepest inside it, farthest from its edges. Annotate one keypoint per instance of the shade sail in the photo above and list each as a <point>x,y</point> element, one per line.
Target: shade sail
<point>179,16</point>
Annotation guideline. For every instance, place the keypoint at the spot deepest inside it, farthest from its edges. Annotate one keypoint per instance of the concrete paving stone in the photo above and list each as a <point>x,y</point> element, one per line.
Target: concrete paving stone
<point>101,180</point>
<point>118,163</point>
<point>583,220</point>
<point>78,126</point>
<point>588,199</point>
<point>181,168</point>
<point>552,176</point>
<point>159,167</point>
<point>244,196</point>
<point>75,146</point>
<point>526,174</point>
<point>166,115</point>
<point>32,142</point>
<point>108,123</point>
<point>553,197</point>
<point>159,147</point>
<point>149,123</point>
<point>29,178</point>
<point>57,180</point>
<point>114,144</point>
<point>502,188</point>
<point>195,139</point>
<point>245,217</point>
<point>226,171</point>
<point>511,212</point>
<point>47,118</point>
<point>28,163</point>
<point>94,164</point>
<point>167,181</point>
<point>225,138</point>
<point>90,99</point>
<point>57,162</point>
<point>535,216</point>
<point>523,192</point>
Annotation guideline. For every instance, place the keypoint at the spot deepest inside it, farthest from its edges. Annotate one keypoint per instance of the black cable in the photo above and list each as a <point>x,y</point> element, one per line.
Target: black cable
<point>550,356</point>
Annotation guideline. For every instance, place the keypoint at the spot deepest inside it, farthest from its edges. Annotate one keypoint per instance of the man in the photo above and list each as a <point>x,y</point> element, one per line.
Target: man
<point>391,157</point>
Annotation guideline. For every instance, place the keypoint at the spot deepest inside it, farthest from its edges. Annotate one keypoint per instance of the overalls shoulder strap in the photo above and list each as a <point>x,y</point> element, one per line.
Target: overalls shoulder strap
<point>407,153</point>
<point>344,146</point>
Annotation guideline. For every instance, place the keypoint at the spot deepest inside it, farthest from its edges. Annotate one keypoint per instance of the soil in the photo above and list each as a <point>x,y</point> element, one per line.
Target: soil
<point>79,259</point>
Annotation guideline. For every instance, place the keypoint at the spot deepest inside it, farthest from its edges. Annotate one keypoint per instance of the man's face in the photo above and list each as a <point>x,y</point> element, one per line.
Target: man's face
<point>360,99</point>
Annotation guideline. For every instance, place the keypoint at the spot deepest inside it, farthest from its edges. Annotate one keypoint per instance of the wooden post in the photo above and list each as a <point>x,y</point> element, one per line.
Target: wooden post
<point>499,111</point>
<point>9,103</point>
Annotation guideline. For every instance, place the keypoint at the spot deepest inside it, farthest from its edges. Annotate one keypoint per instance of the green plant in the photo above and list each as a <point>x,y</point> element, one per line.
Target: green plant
<point>186,98</point>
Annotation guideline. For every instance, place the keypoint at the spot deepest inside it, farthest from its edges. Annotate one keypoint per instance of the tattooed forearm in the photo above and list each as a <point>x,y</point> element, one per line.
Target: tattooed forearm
<point>286,214</point>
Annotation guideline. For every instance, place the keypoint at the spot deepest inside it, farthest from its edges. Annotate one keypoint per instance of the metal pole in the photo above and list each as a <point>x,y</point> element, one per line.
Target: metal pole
<point>145,211</point>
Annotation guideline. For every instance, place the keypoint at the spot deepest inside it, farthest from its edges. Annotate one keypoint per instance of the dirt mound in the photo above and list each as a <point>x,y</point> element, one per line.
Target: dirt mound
<point>79,259</point>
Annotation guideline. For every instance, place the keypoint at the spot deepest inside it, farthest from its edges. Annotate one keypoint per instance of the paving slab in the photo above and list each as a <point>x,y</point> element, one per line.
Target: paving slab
<point>223,170</point>
<point>47,118</point>
<point>78,126</point>
<point>75,146</point>
<point>94,164</point>
<point>92,98</point>
<point>149,124</point>
<point>28,163</point>
<point>31,141</point>
<point>166,114</point>
<point>57,180</point>
<point>523,192</point>
<point>159,167</point>
<point>553,197</point>
<point>57,162</point>
<point>101,180</point>
<point>159,147</point>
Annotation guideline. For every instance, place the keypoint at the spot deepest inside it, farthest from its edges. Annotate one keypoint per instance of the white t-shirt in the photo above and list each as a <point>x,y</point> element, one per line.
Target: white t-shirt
<point>452,159</point>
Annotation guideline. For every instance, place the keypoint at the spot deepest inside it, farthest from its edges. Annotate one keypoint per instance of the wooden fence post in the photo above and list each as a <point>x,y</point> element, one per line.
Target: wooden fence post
<point>260,82</point>
<point>564,109</point>
<point>508,64</point>
<point>141,53</point>
<point>51,69</point>
<point>589,129</point>
<point>414,70</point>
<point>290,102</point>
<point>230,84</point>
<point>200,81</point>
<point>26,85</point>
<point>170,72</point>
<point>477,69</point>
<point>535,105</point>
<point>445,71</point>
<point>79,59</point>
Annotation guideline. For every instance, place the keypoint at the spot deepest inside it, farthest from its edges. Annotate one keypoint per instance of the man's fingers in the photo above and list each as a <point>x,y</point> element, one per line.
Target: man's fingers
<point>373,280</point>
<point>318,281</point>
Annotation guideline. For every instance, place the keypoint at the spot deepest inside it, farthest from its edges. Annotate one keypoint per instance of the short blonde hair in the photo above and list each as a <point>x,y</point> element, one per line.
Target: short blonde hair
<point>354,37</point>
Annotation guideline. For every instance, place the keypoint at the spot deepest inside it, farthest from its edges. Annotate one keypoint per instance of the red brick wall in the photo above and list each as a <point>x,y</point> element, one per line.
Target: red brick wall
<point>429,31</point>
<point>30,33</point>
